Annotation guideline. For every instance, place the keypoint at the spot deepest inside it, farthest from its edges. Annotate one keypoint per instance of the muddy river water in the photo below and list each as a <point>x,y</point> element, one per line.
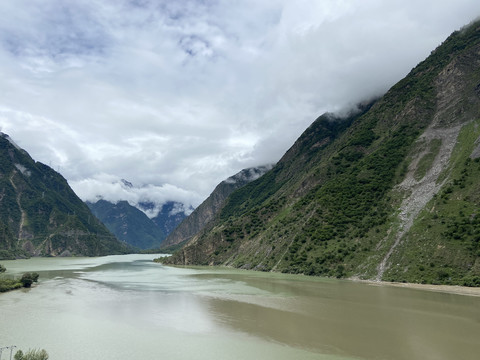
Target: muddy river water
<point>127,307</point>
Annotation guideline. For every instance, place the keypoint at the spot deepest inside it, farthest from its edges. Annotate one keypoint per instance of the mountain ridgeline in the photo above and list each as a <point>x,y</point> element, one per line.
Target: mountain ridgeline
<point>170,215</point>
<point>128,223</point>
<point>40,215</point>
<point>131,225</point>
<point>203,215</point>
<point>390,192</point>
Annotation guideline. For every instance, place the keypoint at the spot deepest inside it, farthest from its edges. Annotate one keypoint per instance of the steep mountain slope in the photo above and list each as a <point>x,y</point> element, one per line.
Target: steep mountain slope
<point>128,223</point>
<point>204,213</point>
<point>387,193</point>
<point>41,215</point>
<point>144,221</point>
<point>170,216</point>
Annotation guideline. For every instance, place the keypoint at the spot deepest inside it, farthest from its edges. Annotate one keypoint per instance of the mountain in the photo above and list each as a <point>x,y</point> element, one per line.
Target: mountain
<point>390,192</point>
<point>170,216</point>
<point>40,215</point>
<point>128,223</point>
<point>144,221</point>
<point>205,213</point>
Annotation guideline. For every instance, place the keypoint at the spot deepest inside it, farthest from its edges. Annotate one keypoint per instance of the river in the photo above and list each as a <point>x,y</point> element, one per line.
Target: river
<point>127,307</point>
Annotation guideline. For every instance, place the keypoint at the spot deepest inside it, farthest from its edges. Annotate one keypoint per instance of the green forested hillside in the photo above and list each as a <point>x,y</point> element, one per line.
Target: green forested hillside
<point>202,216</point>
<point>128,224</point>
<point>386,193</point>
<point>41,215</point>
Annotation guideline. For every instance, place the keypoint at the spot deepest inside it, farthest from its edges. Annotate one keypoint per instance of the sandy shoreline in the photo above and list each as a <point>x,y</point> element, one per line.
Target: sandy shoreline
<point>451,289</point>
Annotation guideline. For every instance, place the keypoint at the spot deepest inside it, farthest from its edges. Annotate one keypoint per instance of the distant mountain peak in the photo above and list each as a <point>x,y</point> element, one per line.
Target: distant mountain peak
<point>132,225</point>
<point>203,214</point>
<point>126,183</point>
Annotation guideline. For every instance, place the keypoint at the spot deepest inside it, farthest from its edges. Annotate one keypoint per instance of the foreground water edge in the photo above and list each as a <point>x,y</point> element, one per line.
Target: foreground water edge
<point>127,307</point>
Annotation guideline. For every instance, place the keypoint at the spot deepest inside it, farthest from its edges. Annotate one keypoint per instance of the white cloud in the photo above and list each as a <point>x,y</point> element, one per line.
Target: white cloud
<point>113,189</point>
<point>189,92</point>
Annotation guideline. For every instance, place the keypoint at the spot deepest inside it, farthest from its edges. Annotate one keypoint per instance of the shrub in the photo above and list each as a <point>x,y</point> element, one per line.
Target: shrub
<point>31,355</point>
<point>28,279</point>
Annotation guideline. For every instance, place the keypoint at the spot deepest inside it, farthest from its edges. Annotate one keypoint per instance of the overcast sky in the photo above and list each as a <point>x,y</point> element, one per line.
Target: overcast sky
<point>179,95</point>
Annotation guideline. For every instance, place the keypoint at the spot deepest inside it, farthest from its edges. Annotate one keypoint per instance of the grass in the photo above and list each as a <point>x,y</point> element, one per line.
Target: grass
<point>426,161</point>
<point>443,245</point>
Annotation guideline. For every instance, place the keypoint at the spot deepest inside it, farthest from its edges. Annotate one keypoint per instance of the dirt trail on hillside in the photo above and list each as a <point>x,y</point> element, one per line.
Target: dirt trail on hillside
<point>422,191</point>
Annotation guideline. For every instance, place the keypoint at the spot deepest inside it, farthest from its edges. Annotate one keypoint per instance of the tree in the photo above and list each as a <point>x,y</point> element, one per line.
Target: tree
<point>28,279</point>
<point>2,268</point>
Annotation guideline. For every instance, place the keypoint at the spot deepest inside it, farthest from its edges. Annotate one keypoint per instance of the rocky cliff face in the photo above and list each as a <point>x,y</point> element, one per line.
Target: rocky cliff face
<point>203,214</point>
<point>390,192</point>
<point>40,215</point>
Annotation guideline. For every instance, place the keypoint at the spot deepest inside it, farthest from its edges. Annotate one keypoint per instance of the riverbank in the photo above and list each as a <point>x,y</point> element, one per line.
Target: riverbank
<point>9,285</point>
<point>451,289</point>
<point>120,306</point>
<point>26,281</point>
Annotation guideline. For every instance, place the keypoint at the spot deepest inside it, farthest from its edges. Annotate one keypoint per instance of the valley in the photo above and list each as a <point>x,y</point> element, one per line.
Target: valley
<point>352,196</point>
<point>384,192</point>
<point>240,180</point>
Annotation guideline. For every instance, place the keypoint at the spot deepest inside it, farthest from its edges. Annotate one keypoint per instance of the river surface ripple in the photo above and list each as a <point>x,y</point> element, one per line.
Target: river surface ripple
<point>127,307</point>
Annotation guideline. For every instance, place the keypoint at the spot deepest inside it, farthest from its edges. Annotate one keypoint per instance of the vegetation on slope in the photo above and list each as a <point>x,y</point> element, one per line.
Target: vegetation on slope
<point>41,215</point>
<point>205,213</point>
<point>329,207</point>
<point>128,224</point>
<point>444,243</point>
